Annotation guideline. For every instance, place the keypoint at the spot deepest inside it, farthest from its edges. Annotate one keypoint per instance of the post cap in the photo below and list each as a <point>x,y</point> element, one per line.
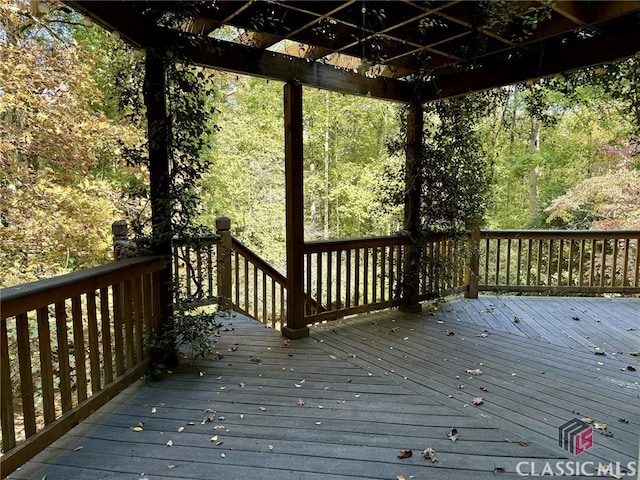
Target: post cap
<point>223,223</point>
<point>119,228</point>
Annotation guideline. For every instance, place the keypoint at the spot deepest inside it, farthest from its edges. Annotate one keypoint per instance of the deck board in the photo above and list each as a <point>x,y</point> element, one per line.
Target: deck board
<point>372,385</point>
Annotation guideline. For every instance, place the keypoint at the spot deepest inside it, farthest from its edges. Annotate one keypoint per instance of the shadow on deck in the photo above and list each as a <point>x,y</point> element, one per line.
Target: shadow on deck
<point>344,402</point>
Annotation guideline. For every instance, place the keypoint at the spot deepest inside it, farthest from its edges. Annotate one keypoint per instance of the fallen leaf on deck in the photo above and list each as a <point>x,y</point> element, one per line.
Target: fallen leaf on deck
<point>78,448</point>
<point>233,349</point>
<point>255,359</point>
<point>318,423</point>
<point>171,466</point>
<point>332,356</point>
<point>523,444</point>
<point>300,402</point>
<point>170,443</point>
<point>219,442</point>
<point>214,438</point>
<point>623,420</point>
<point>440,322</point>
<point>478,401</point>
<point>600,426</point>
<point>453,434</point>
<point>180,429</point>
<point>262,409</point>
<point>219,427</point>
<point>297,385</point>
<point>499,470</point>
<point>516,319</point>
<point>430,454</point>
<point>588,420</point>
<point>242,385</point>
<point>405,453</point>
<point>634,354</point>
<point>484,389</point>
<point>630,368</point>
<point>599,352</point>
<point>209,417</point>
<point>475,371</point>
<point>395,329</point>
<point>153,410</point>
<point>223,455</point>
<point>489,309</point>
<point>461,386</point>
<point>202,374</point>
<point>400,477</point>
<point>138,428</point>
<point>575,318</point>
<point>450,333</point>
<point>271,448</point>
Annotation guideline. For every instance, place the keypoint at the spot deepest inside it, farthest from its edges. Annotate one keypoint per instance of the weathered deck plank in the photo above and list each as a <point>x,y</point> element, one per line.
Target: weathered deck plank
<point>342,403</point>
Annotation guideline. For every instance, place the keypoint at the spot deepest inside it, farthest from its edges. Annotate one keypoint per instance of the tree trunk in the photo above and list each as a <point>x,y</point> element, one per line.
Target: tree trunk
<point>534,174</point>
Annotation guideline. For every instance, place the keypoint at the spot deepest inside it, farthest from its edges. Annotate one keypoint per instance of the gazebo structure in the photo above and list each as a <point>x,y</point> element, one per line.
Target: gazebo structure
<point>407,51</point>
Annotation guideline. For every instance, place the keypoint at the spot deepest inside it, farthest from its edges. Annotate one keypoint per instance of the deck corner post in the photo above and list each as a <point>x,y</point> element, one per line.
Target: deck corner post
<point>223,228</point>
<point>295,322</point>
<point>473,269</point>
<point>412,202</point>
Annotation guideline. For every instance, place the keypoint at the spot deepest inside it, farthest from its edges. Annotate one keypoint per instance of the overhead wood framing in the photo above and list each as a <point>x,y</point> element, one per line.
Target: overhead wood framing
<point>453,47</point>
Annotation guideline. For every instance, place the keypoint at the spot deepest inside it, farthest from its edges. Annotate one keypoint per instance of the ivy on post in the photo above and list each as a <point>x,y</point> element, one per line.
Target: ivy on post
<point>412,201</point>
<point>160,178</point>
<point>295,327</point>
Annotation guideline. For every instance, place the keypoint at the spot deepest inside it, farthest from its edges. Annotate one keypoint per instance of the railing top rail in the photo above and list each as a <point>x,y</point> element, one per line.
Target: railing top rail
<point>29,296</point>
<point>262,264</point>
<point>565,234</point>
<point>316,246</point>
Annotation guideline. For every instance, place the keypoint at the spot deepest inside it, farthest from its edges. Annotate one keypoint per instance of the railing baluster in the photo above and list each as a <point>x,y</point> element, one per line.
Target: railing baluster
<point>365,275</point>
<point>374,275</point>
<point>329,281</point>
<point>107,357</point>
<point>309,305</point>
<point>497,281</point>
<point>46,365</point>
<point>94,352</point>
<point>128,324</point>
<point>383,273</point>
<point>614,260</point>
<point>273,304</point>
<point>137,319</point>
<point>508,267</point>
<point>339,296</point>
<point>636,273</point>
<point>255,291</point>
<point>625,263</point>
<point>265,318</point>
<point>519,261</point>
<point>319,279</point>
<point>487,255</point>
<point>560,261</point>
<point>529,260</point>
<point>78,348</point>
<point>592,266</point>
<point>570,266</point>
<point>63,356</point>
<point>118,343</point>
<point>391,275</point>
<point>246,285</point>
<point>6,394</point>
<point>26,376</point>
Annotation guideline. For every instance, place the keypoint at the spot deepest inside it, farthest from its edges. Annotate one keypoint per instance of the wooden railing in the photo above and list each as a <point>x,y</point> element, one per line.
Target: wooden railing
<point>194,270</point>
<point>559,261</point>
<point>352,276</point>
<point>444,263</point>
<point>68,345</point>
<point>257,288</point>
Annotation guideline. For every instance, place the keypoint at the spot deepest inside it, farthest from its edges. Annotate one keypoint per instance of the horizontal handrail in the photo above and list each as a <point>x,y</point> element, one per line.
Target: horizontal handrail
<point>258,261</point>
<point>82,333</point>
<point>553,234</point>
<point>316,246</point>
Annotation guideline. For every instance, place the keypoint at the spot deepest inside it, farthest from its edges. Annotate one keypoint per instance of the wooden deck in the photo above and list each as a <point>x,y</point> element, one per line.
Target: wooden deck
<point>344,402</point>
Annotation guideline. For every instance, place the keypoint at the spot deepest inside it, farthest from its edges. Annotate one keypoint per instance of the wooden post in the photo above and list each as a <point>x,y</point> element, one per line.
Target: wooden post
<point>295,325</point>
<point>160,180</point>
<point>223,228</point>
<point>120,232</point>
<point>474,265</point>
<point>412,201</point>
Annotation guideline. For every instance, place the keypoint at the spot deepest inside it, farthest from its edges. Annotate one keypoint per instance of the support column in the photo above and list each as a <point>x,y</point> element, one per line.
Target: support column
<point>223,228</point>
<point>158,135</point>
<point>412,200</point>
<point>295,326</point>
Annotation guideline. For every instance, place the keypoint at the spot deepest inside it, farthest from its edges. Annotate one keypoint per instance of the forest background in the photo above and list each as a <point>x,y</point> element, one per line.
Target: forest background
<point>560,152</point>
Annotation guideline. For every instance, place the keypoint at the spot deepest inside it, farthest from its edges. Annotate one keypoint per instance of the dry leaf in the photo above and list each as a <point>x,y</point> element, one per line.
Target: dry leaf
<point>453,434</point>
<point>575,317</point>
<point>300,402</point>
<point>631,368</point>
<point>395,329</point>
<point>297,385</point>
<point>523,443</point>
<point>242,385</point>
<point>262,409</point>
<point>478,401</point>
<point>78,448</point>
<point>634,354</point>
<point>223,455</point>
<point>475,371</point>
<point>214,438</point>
<point>255,359</point>
<point>153,410</point>
<point>138,428</point>
<point>450,333</point>
<point>499,470</point>
<point>430,454</point>
<point>219,442</point>
<point>405,453</point>
<point>318,423</point>
<point>171,466</point>
<point>587,420</point>
<point>484,389</point>
<point>600,426</point>
<point>271,448</point>
<point>332,356</point>
<point>170,443</point>
<point>399,477</point>
<point>517,319</point>
<point>180,429</point>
